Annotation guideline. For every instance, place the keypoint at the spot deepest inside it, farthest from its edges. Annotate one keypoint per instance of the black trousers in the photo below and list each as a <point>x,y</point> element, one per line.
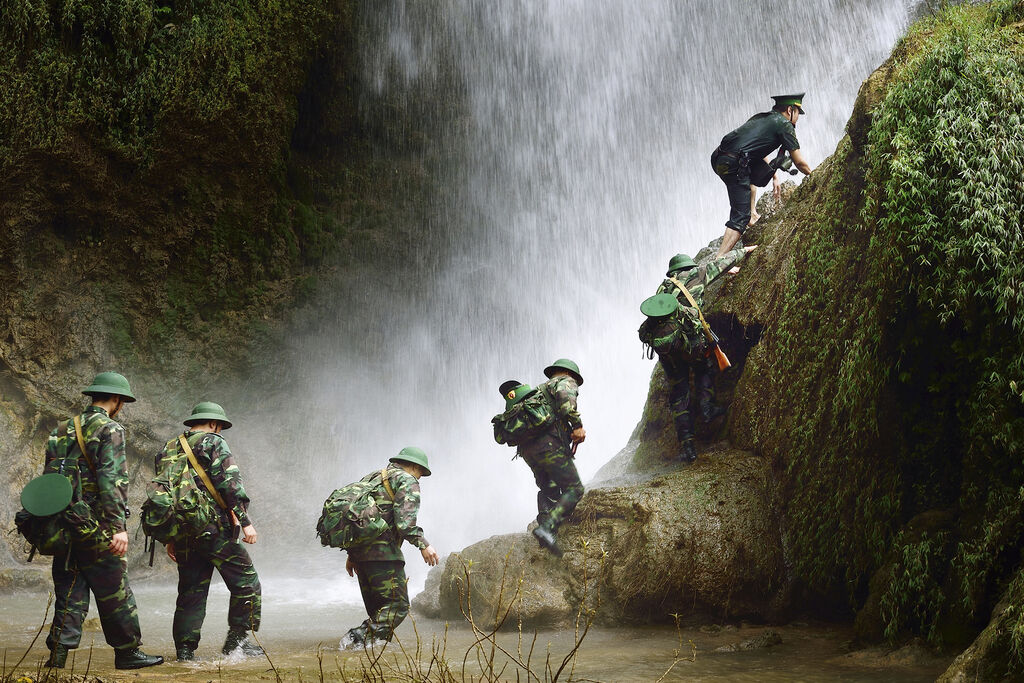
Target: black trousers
<point>735,173</point>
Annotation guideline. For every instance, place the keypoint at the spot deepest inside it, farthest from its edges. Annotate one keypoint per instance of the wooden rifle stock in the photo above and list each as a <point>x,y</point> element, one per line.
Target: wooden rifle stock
<point>723,360</point>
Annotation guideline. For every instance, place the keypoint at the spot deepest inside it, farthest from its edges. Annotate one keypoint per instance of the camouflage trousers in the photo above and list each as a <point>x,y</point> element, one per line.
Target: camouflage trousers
<point>560,488</point>
<point>106,575</point>
<point>385,595</point>
<point>196,562</point>
<point>679,395</point>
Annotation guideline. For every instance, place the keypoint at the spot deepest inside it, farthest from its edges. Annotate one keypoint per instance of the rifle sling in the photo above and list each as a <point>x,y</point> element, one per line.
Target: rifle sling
<point>81,444</point>
<point>707,328</point>
<point>387,484</point>
<point>201,472</point>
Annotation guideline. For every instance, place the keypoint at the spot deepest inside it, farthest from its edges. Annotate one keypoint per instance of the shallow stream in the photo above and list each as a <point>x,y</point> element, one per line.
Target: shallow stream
<point>300,619</point>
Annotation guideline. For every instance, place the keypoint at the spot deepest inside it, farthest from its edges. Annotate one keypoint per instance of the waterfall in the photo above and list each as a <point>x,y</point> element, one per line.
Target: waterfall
<point>569,141</point>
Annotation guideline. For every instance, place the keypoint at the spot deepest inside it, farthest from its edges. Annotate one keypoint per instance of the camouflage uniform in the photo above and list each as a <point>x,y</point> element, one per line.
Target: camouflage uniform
<point>217,548</point>
<point>93,566</point>
<point>380,565</point>
<point>677,370</point>
<point>550,457</point>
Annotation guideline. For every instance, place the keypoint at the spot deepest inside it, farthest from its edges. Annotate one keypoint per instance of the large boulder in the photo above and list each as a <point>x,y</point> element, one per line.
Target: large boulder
<point>701,541</point>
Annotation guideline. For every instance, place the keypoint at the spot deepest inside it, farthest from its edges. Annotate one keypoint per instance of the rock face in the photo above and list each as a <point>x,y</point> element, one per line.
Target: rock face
<point>700,541</point>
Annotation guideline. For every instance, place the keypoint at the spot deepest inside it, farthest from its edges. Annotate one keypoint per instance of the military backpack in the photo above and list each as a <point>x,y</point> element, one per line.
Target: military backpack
<point>176,507</point>
<point>527,418</point>
<point>678,335</point>
<point>356,515</point>
<point>73,522</point>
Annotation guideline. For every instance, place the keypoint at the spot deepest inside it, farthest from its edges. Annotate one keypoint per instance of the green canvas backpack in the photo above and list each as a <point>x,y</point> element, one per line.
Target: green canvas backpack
<point>54,514</point>
<point>176,507</point>
<point>526,418</point>
<point>356,514</point>
<point>678,335</point>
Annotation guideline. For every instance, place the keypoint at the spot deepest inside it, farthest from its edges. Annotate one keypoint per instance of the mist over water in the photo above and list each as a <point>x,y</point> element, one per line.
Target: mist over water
<point>570,144</point>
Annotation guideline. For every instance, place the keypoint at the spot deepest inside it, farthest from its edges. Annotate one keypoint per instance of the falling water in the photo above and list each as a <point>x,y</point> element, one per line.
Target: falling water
<point>569,142</point>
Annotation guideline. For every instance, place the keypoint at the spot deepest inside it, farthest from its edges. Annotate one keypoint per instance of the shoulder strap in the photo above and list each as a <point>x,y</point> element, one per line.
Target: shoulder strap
<point>387,483</point>
<point>81,444</point>
<point>704,323</point>
<point>201,472</point>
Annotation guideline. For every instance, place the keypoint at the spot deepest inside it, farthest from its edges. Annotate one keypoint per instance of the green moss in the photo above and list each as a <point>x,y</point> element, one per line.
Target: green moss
<point>889,379</point>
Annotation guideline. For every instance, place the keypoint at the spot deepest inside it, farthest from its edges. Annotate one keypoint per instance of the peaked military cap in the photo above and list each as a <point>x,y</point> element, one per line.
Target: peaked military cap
<point>46,495</point>
<point>680,262</point>
<point>659,305</point>
<point>516,394</point>
<point>110,383</point>
<point>564,364</point>
<point>508,385</point>
<point>414,455</point>
<point>206,411</point>
<point>787,100</point>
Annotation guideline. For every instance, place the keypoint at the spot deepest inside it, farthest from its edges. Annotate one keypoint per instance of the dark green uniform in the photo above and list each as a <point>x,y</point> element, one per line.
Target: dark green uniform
<point>217,548</point>
<point>380,565</point>
<point>550,457</point>
<point>93,566</point>
<point>742,150</point>
<point>678,370</point>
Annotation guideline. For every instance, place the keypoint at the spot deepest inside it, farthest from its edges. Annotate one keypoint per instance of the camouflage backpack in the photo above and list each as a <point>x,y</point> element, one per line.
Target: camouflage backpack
<point>355,515</point>
<point>678,335</point>
<point>176,507</point>
<point>52,534</point>
<point>527,418</point>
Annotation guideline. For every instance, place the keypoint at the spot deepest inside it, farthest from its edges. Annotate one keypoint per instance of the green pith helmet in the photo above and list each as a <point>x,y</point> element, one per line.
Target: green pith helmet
<point>415,456</point>
<point>680,262</point>
<point>659,305</point>
<point>110,383</point>
<point>46,495</point>
<point>790,100</point>
<point>206,411</point>
<point>508,385</point>
<point>516,394</point>
<point>564,364</point>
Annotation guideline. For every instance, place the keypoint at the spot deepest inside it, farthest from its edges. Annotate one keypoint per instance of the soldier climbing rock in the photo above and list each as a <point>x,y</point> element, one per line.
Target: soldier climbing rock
<point>90,451</point>
<point>674,331</point>
<point>741,154</point>
<point>551,452</point>
<point>380,564</point>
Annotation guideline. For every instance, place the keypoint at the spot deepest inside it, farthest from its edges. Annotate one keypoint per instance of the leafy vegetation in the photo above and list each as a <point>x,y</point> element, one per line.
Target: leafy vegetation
<point>911,399</point>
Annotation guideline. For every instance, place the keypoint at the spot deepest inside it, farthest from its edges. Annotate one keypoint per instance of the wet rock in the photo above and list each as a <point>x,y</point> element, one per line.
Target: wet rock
<point>701,541</point>
<point>428,602</point>
<point>769,638</point>
<point>18,579</point>
<point>988,658</point>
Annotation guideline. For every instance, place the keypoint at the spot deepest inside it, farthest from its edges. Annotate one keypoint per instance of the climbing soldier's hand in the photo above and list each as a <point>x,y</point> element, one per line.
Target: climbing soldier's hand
<point>430,555</point>
<point>579,435</point>
<point>119,543</point>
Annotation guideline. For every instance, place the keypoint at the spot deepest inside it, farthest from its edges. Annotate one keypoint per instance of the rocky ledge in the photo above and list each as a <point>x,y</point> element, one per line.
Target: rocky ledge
<point>700,541</point>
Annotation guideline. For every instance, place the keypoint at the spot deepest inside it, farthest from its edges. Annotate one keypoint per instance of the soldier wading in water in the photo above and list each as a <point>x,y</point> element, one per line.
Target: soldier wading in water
<point>380,564</point>
<point>90,451</point>
<point>217,547</point>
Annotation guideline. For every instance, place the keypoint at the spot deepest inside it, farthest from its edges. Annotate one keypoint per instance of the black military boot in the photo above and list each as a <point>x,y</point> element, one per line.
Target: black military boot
<point>355,638</point>
<point>135,659</point>
<point>687,452</point>
<point>547,540</point>
<point>240,639</point>
<point>709,411</point>
<point>186,654</point>
<point>58,657</point>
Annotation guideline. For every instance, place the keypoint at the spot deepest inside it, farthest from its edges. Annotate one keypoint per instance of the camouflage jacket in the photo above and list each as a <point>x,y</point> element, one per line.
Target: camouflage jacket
<point>401,515</point>
<point>106,491</point>
<point>214,456</point>
<point>697,279</point>
<point>562,391</point>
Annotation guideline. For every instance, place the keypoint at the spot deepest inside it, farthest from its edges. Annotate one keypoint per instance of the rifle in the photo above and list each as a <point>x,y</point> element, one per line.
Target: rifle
<point>723,360</point>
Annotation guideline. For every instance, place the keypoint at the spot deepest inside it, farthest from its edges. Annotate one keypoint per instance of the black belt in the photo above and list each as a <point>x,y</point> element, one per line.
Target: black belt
<point>723,153</point>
